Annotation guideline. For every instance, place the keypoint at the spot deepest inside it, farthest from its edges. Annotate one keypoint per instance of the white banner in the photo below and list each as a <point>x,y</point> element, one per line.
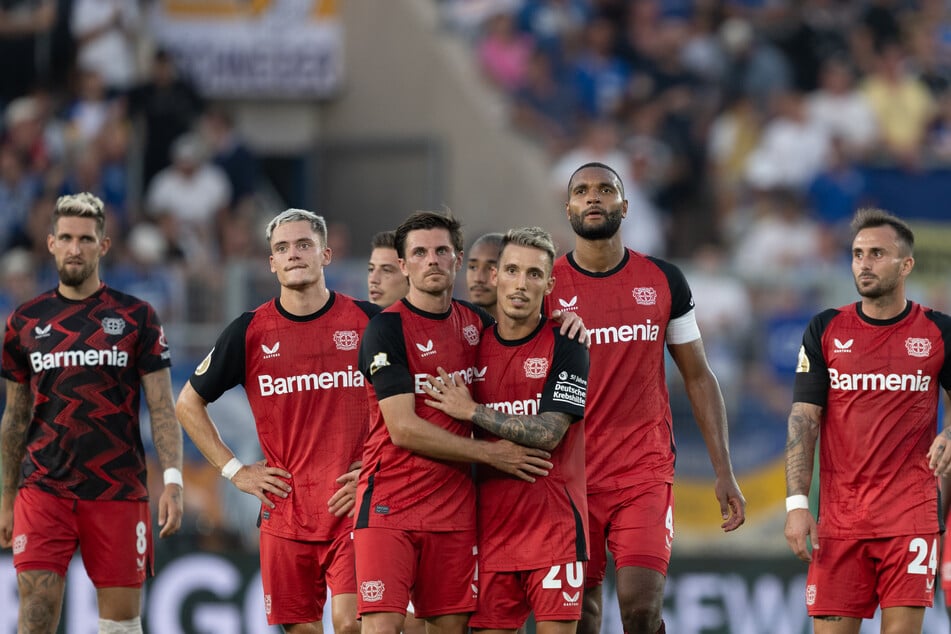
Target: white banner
<point>261,49</point>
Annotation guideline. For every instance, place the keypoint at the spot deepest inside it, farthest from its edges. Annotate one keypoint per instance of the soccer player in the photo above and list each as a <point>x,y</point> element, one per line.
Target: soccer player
<point>296,357</point>
<point>74,468</point>
<point>634,305</point>
<point>532,537</point>
<point>868,381</point>
<point>385,282</point>
<point>483,259</point>
<point>415,529</point>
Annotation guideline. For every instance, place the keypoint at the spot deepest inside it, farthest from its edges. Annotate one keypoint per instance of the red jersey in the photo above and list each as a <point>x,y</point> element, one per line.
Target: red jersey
<point>628,425</point>
<point>84,360</point>
<point>302,379</point>
<point>877,382</point>
<point>532,525</point>
<point>398,488</point>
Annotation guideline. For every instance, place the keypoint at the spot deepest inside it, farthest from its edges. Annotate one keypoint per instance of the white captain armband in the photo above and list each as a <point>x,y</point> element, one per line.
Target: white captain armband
<point>683,329</point>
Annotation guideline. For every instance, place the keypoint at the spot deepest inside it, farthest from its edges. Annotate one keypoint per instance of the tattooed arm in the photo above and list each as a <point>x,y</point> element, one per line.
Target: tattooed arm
<point>167,438</point>
<point>541,431</point>
<point>13,426</point>
<point>803,432</point>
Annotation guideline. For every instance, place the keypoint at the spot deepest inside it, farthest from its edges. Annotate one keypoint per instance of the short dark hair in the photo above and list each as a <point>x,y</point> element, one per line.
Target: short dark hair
<point>599,166</point>
<point>422,220</point>
<point>872,217</point>
<point>493,239</point>
<point>384,240</point>
<point>534,237</point>
<point>81,205</point>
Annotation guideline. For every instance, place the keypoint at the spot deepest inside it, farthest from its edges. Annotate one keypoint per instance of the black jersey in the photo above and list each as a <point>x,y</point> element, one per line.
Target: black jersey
<point>84,360</point>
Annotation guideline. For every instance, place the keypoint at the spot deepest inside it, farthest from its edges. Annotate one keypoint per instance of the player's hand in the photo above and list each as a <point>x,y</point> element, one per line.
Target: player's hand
<point>344,499</point>
<point>259,480</point>
<point>6,527</point>
<point>171,507</point>
<point>939,455</point>
<point>800,531</point>
<point>449,394</point>
<point>732,504</point>
<point>522,462</point>
<point>572,326</point>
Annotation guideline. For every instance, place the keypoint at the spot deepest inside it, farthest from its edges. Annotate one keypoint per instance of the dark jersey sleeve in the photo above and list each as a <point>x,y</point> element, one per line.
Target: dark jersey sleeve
<point>16,366</point>
<point>152,353</point>
<point>383,358</point>
<point>812,375</point>
<point>567,384</point>
<point>370,309</point>
<point>943,322</point>
<point>681,299</point>
<point>224,367</point>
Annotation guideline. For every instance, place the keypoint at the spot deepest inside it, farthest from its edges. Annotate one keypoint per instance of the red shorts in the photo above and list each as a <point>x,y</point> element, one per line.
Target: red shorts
<point>114,537</point>
<point>507,598</point>
<point>638,524</point>
<point>296,574</point>
<point>851,578</point>
<point>436,570</point>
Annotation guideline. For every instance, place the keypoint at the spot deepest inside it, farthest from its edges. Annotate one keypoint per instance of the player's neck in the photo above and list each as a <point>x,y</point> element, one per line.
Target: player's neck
<point>515,329</point>
<point>884,308</point>
<point>81,292</point>
<point>306,301</point>
<point>436,303</point>
<point>599,256</point>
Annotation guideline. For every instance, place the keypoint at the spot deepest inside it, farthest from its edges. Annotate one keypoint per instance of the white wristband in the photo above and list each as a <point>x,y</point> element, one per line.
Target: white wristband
<point>794,502</point>
<point>231,467</point>
<point>173,476</point>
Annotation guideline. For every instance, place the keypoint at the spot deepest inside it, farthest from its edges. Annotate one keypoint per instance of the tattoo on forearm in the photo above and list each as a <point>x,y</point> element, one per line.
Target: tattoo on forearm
<point>543,431</point>
<point>14,425</point>
<point>801,446</point>
<point>166,432</point>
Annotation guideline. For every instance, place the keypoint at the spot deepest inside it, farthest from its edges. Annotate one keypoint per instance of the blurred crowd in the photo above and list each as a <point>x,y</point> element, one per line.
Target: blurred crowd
<point>89,103</point>
<point>729,121</point>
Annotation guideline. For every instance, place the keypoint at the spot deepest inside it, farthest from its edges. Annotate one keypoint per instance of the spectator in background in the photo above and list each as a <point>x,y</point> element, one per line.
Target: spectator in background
<point>504,52</point>
<point>780,238</point>
<point>25,134</point>
<point>107,32</point>
<point>195,193</point>
<point>600,78</point>
<point>92,108</point>
<point>841,110</point>
<point>230,153</point>
<point>837,190</point>
<point>26,27</point>
<point>169,107</point>
<point>732,138</point>
<point>792,149</point>
<point>18,190</point>
<point>555,25</point>
<point>544,106</point>
<point>753,66</point>
<point>902,104</point>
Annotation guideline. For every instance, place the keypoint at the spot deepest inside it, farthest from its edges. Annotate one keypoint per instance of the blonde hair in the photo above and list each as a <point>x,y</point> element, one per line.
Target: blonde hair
<point>81,205</point>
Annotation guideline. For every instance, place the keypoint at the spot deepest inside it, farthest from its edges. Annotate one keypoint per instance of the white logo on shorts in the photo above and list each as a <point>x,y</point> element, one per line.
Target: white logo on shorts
<point>372,591</point>
<point>19,544</point>
<point>811,594</point>
<point>267,604</point>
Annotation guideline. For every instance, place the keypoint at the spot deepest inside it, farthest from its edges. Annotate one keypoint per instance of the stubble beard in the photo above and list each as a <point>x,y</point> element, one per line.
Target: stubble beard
<point>75,278</point>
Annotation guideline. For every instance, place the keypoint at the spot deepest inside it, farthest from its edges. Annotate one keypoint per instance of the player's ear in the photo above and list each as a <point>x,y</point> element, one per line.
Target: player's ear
<point>551,285</point>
